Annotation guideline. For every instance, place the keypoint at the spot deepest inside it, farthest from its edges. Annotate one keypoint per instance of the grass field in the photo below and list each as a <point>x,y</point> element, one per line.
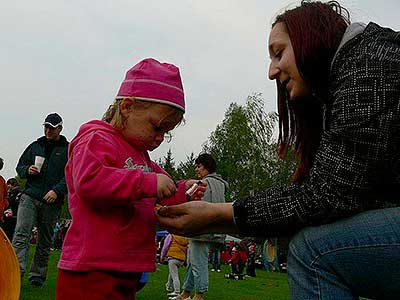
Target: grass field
<point>48,291</point>
<point>272,286</point>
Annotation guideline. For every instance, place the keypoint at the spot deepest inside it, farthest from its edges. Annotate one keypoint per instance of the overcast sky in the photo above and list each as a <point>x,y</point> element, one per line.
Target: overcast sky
<point>70,57</point>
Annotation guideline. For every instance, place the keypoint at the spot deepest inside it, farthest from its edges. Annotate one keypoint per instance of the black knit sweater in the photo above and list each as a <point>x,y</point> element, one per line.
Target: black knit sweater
<point>357,165</point>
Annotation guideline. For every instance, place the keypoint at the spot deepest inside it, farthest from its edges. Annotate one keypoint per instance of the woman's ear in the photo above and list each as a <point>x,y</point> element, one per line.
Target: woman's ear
<point>126,106</point>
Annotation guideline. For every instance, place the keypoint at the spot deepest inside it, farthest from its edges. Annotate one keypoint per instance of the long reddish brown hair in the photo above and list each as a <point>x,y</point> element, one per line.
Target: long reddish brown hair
<point>315,30</point>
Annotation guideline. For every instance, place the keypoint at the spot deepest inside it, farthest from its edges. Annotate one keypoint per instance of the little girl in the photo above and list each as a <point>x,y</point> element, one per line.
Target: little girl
<point>114,186</point>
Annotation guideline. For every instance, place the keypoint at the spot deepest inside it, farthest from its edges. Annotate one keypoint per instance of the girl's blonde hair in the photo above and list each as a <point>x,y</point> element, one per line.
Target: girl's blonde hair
<point>113,114</point>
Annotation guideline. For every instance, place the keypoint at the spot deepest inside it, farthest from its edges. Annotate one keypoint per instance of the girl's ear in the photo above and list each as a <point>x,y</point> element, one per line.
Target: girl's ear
<point>126,106</point>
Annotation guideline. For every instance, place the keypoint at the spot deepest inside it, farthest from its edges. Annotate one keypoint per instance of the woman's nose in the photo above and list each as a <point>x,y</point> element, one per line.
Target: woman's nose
<point>273,71</point>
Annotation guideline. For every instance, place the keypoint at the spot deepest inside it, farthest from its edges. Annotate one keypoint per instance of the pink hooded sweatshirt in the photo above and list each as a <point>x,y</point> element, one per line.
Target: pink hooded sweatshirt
<point>112,190</point>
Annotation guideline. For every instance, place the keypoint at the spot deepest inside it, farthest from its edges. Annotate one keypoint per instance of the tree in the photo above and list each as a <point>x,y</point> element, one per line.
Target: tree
<point>244,148</point>
<point>186,169</point>
<point>21,182</point>
<point>168,164</point>
<point>283,169</point>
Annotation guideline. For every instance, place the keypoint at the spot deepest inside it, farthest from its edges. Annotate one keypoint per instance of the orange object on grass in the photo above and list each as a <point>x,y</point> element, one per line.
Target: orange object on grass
<point>10,278</point>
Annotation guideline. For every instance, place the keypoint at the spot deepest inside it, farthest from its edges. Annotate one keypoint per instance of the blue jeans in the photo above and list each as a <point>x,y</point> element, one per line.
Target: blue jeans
<point>197,270</point>
<point>354,257</point>
<point>215,256</point>
<point>45,216</point>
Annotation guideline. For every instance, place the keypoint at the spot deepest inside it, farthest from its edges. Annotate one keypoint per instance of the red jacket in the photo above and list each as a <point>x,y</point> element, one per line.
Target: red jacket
<point>112,194</point>
<point>3,196</point>
<point>238,257</point>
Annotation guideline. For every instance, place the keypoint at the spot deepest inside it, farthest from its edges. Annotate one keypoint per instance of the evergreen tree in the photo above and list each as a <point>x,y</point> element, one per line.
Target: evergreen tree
<point>186,169</point>
<point>168,164</point>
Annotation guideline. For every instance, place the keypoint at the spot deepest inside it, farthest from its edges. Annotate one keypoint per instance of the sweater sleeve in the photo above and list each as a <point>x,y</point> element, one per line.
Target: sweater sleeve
<point>362,138</point>
<point>97,178</point>
<point>24,162</point>
<point>61,188</point>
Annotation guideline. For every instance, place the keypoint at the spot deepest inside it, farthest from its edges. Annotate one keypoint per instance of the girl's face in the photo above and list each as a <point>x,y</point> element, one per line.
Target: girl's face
<point>145,127</point>
<point>283,63</point>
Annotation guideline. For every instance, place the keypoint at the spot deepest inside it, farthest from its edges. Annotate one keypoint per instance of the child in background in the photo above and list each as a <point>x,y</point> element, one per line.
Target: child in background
<point>235,260</point>
<point>251,261</point>
<point>10,213</point>
<point>174,251</point>
<point>238,259</point>
<point>3,193</point>
<point>114,186</point>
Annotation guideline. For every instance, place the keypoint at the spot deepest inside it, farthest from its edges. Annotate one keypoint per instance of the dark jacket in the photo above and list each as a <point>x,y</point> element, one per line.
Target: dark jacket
<point>13,200</point>
<point>357,165</point>
<point>51,176</point>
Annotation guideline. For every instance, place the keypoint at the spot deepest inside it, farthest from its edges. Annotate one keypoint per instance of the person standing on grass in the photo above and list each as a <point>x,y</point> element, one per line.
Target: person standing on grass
<point>215,255</point>
<point>174,252</point>
<point>10,213</point>
<point>234,261</point>
<point>43,196</point>
<point>338,103</point>
<point>251,261</point>
<point>196,278</point>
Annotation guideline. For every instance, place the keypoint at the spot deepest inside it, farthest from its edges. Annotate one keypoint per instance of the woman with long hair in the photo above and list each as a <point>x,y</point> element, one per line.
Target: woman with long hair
<point>338,89</point>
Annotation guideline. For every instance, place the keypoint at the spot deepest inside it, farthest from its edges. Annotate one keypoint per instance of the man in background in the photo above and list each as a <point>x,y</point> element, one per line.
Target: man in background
<point>42,165</point>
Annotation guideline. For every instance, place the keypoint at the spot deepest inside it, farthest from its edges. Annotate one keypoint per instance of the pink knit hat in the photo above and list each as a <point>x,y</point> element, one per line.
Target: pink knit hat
<point>150,80</point>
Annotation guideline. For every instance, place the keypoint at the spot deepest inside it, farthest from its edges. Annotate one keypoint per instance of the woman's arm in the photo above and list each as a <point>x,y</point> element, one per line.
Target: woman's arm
<point>197,217</point>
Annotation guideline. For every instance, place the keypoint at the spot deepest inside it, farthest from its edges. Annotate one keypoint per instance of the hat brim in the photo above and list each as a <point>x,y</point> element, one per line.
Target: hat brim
<point>54,126</point>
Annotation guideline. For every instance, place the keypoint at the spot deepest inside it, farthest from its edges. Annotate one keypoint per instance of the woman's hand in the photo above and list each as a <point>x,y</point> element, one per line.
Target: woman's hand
<point>199,193</point>
<point>197,217</point>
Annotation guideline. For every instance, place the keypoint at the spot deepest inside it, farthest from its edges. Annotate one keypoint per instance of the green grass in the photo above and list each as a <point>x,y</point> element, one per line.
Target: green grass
<point>48,291</point>
<point>272,286</point>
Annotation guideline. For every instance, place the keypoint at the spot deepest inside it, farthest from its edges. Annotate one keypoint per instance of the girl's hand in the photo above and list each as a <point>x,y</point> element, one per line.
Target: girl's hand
<point>165,186</point>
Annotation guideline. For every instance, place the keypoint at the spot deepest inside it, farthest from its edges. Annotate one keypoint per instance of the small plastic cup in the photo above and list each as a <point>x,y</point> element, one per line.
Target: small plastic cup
<point>39,160</point>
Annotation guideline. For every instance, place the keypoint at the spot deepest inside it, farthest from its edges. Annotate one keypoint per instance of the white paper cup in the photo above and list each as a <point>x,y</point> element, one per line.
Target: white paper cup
<point>39,160</point>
